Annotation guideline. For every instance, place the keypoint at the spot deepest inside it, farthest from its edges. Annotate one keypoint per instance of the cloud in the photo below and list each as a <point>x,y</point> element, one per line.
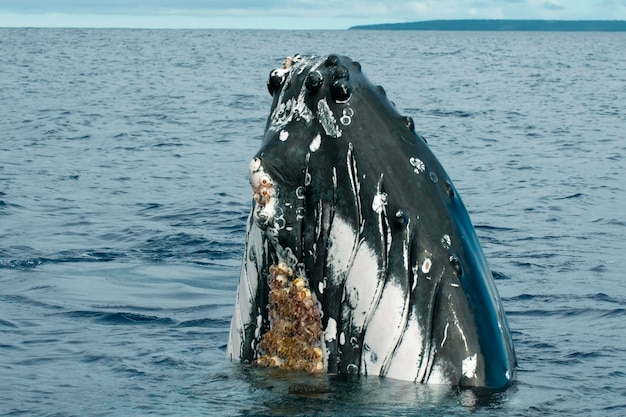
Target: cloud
<point>295,14</point>
<point>548,5</point>
<point>132,7</point>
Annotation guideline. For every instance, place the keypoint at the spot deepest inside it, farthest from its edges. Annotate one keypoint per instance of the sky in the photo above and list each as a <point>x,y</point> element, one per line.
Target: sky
<point>289,14</point>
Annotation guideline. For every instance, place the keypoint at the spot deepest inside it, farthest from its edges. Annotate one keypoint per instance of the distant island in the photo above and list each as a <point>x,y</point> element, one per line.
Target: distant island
<point>505,25</point>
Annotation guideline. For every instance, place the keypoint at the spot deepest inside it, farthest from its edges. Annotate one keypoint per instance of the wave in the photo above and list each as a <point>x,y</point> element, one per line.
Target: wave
<point>179,247</point>
<point>133,318</point>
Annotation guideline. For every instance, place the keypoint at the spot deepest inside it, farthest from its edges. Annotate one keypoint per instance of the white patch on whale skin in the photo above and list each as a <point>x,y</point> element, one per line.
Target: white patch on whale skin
<point>327,119</point>
<point>342,240</point>
<point>406,359</point>
<point>294,108</point>
<point>246,290</point>
<point>315,143</point>
<point>418,165</point>
<point>254,166</point>
<point>283,136</point>
<point>438,376</point>
<point>469,365</point>
<point>330,333</point>
<point>446,241</point>
<point>385,327</point>
<point>379,202</point>
<point>363,285</point>
<point>235,337</point>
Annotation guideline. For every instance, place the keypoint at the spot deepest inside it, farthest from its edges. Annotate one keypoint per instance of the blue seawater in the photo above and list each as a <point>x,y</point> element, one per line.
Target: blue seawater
<point>124,196</point>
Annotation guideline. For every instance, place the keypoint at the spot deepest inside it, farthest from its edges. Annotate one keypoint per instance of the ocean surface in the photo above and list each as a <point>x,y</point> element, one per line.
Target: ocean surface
<point>124,196</point>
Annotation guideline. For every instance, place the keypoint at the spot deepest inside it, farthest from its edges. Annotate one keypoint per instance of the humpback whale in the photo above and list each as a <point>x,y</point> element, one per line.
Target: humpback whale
<point>360,256</point>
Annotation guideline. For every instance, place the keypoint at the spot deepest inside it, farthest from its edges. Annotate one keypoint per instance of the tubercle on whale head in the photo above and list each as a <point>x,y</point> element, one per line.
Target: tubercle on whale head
<point>339,83</point>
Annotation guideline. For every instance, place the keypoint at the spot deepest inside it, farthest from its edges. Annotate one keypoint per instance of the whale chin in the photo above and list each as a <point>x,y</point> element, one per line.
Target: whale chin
<point>360,256</point>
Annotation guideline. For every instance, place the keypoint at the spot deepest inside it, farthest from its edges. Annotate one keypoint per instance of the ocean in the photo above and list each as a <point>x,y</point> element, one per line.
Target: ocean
<point>124,195</point>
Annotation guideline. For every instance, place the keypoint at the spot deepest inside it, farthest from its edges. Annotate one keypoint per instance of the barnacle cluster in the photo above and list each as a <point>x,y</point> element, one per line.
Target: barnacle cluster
<point>263,190</point>
<point>294,340</point>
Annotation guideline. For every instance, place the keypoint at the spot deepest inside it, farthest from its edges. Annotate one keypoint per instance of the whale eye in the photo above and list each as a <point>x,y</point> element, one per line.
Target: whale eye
<point>331,61</point>
<point>314,81</point>
<point>341,90</point>
<point>276,80</point>
<point>340,72</point>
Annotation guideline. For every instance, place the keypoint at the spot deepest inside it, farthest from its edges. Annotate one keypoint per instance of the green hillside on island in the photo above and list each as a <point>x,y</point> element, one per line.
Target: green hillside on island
<point>505,25</point>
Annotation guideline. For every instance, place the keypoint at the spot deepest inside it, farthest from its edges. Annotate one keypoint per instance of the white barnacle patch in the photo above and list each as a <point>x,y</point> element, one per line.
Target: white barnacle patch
<point>469,365</point>
<point>330,333</point>
<point>445,241</point>
<point>418,165</point>
<point>327,119</point>
<point>283,135</point>
<point>315,143</point>
<point>379,202</point>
